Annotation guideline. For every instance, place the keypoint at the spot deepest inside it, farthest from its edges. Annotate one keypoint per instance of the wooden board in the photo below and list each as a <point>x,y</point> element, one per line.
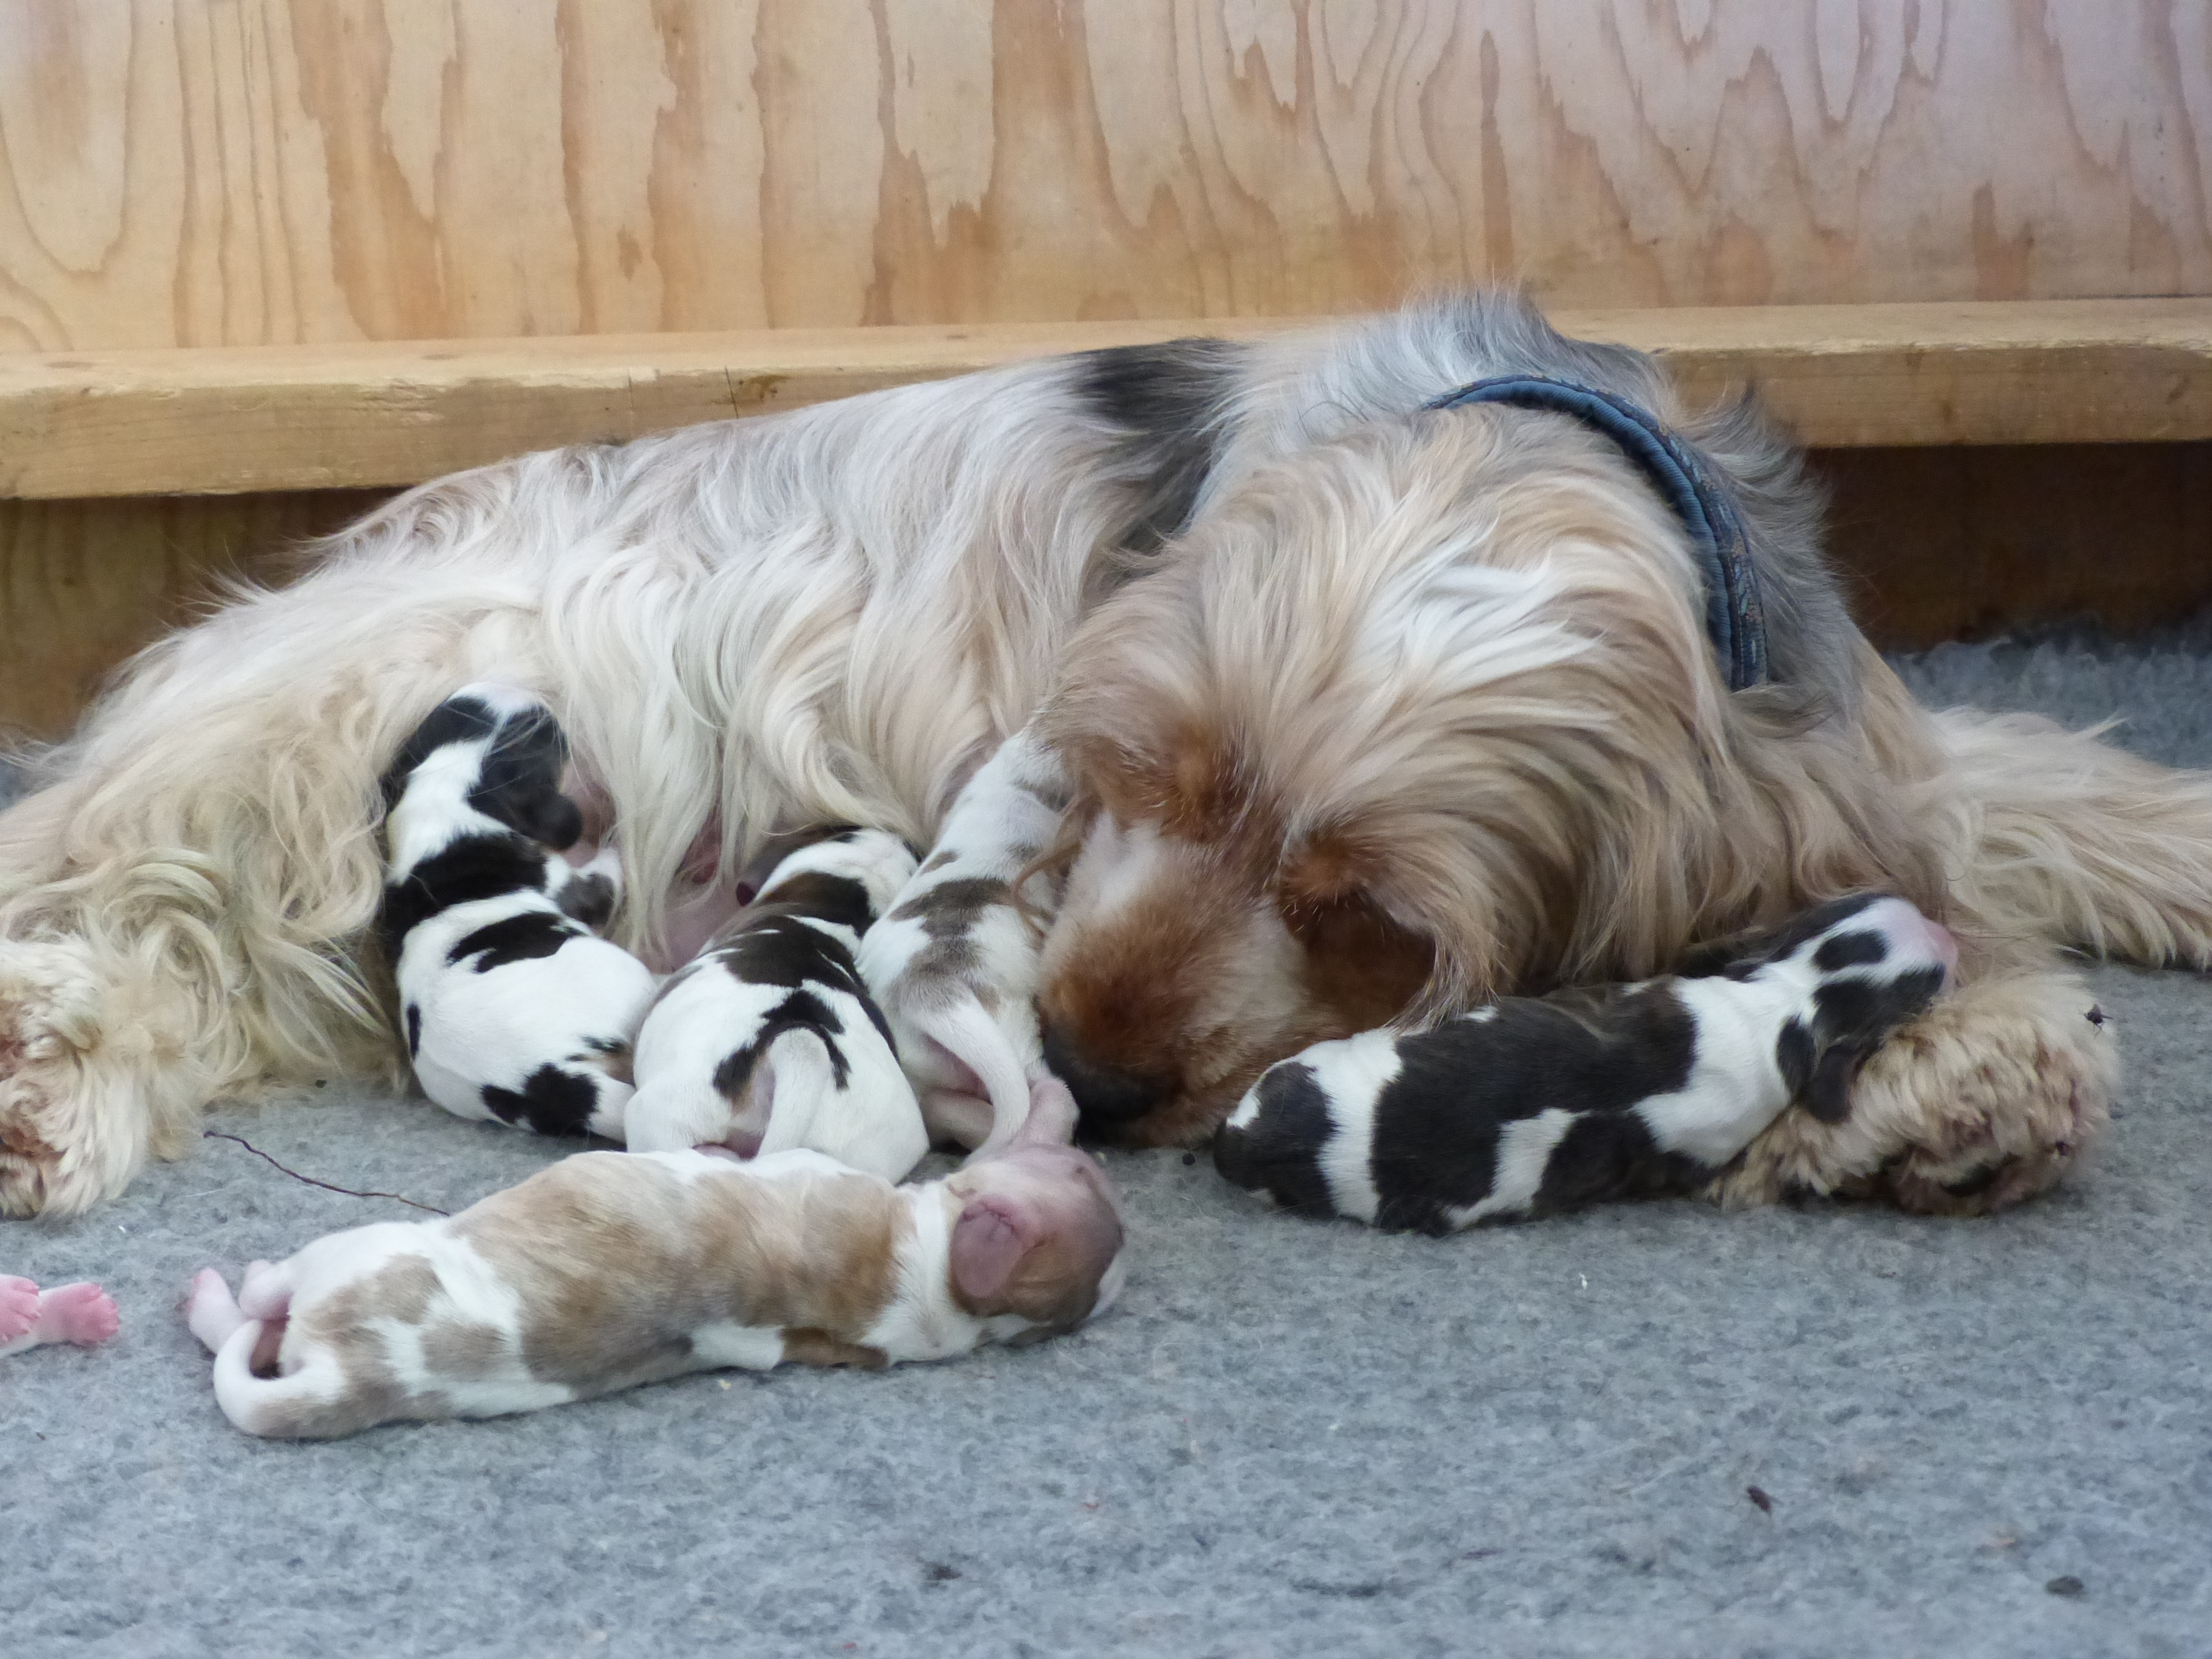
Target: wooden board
<point>84,584</point>
<point>1972,544</point>
<point>318,417</point>
<point>245,172</point>
<point>1935,543</point>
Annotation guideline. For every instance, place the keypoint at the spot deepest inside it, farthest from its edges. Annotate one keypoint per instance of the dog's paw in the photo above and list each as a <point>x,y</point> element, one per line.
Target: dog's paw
<point>19,1308</point>
<point>1987,1098</point>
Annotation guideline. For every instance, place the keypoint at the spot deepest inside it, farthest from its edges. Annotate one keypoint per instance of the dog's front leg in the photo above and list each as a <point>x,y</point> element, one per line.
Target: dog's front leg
<point>1986,1099</point>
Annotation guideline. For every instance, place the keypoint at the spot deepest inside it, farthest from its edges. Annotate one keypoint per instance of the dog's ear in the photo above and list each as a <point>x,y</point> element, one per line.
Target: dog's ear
<point>1827,1091</point>
<point>553,820</point>
<point>994,1232</point>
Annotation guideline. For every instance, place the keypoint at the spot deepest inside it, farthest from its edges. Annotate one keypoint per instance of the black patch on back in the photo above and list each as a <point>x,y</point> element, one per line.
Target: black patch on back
<point>1610,1154</point>
<point>1169,399</point>
<point>1437,1123</point>
<point>775,943</point>
<point>551,1102</point>
<point>1279,1152</point>
<point>473,867</point>
<point>517,939</point>
<point>843,900</point>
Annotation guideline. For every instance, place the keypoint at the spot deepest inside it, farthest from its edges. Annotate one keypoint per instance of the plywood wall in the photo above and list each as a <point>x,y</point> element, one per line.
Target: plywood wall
<point>204,172</point>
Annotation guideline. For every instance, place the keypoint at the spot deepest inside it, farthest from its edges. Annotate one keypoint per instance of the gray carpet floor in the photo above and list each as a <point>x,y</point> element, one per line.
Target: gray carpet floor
<point>1989,1438</point>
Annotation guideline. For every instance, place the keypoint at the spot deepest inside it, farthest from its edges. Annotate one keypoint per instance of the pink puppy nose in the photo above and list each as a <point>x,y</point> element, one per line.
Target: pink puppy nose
<point>1946,948</point>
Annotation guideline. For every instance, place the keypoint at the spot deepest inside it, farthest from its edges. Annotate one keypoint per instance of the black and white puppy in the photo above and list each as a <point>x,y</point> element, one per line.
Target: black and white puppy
<point>768,1041</point>
<point>1532,1106</point>
<point>514,1008</point>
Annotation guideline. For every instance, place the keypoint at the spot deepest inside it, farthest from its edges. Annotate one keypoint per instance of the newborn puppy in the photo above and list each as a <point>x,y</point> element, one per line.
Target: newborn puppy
<point>31,1317</point>
<point>954,964</point>
<point>1532,1106</point>
<point>768,1041</point>
<point>514,1008</point>
<point>613,1269</point>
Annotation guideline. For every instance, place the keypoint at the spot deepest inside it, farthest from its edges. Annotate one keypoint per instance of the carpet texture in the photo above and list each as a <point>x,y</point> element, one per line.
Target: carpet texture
<point>1986,1437</point>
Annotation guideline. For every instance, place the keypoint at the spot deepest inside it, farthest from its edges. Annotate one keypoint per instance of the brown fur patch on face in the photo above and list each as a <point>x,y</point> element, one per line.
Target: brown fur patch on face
<point>1362,969</point>
<point>618,1259</point>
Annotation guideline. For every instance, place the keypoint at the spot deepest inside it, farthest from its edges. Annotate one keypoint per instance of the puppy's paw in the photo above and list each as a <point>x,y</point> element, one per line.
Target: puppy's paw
<point>19,1308</point>
<point>82,1314</point>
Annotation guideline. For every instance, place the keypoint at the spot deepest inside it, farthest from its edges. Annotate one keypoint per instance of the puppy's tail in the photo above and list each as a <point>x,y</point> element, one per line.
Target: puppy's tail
<point>2052,829</point>
<point>853,1107</point>
<point>970,1036</point>
<point>303,1404</point>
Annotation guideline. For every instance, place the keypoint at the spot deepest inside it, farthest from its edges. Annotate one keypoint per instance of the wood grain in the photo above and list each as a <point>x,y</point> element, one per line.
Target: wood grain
<point>1942,545</point>
<point>247,172</point>
<point>277,417</point>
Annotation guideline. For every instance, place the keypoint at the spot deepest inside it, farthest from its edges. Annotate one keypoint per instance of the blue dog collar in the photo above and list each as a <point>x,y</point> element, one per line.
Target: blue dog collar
<point>1734,620</point>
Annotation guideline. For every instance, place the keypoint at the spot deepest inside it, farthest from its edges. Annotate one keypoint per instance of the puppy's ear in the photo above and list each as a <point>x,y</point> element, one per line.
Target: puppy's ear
<point>1827,1093</point>
<point>553,820</point>
<point>994,1232</point>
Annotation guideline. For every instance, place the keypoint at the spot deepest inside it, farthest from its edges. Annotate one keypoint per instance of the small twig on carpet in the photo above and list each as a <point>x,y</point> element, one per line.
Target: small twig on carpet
<point>350,1192</point>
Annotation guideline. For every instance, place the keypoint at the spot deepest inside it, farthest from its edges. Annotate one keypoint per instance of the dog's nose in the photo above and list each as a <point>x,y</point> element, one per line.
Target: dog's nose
<point>1106,1096</point>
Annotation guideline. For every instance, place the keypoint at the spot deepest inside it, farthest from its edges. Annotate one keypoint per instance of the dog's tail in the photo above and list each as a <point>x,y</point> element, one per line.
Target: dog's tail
<point>2059,831</point>
<point>970,1036</point>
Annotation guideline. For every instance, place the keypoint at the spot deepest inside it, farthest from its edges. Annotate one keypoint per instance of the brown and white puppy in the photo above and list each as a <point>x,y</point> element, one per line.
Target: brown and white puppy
<point>83,1315</point>
<point>613,1269</point>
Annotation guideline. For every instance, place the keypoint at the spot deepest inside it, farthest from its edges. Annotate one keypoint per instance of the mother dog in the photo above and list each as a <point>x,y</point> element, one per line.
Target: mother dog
<point>1408,706</point>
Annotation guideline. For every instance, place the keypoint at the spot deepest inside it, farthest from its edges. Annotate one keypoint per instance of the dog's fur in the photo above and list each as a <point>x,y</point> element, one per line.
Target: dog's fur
<point>1529,1107</point>
<point>613,1269</point>
<point>768,1040</point>
<point>513,1010</point>
<point>1415,708</point>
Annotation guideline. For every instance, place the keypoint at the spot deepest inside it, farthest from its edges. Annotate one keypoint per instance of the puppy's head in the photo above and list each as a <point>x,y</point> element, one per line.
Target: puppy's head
<point>1424,715</point>
<point>1039,1230</point>
<point>500,751</point>
<point>1865,965</point>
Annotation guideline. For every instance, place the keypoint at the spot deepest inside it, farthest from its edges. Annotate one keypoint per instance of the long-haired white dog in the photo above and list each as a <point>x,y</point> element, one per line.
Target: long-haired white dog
<point>1415,705</point>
